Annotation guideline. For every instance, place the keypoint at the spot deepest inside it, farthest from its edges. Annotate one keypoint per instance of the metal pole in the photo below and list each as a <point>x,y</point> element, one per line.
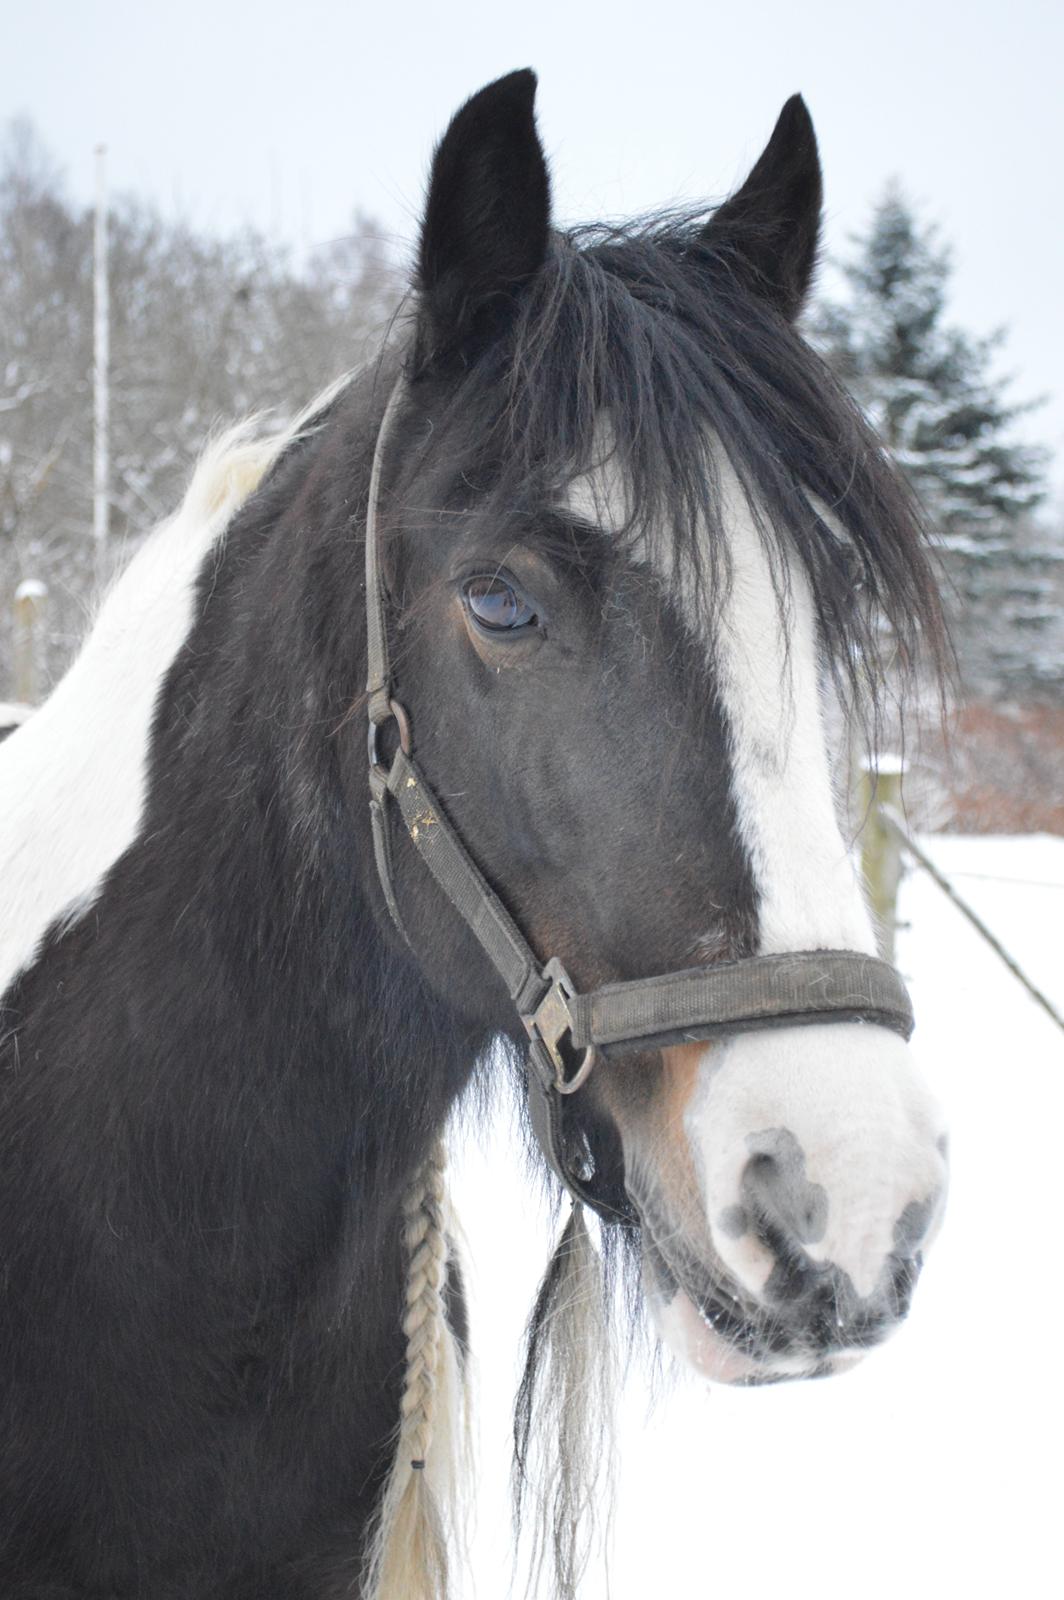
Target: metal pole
<point>100,392</point>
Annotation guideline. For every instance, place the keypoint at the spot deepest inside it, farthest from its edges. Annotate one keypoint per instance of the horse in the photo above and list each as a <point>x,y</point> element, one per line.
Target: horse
<point>599,530</point>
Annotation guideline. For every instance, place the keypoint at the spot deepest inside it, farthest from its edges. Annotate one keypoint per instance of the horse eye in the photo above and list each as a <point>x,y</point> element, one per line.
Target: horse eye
<point>497,605</point>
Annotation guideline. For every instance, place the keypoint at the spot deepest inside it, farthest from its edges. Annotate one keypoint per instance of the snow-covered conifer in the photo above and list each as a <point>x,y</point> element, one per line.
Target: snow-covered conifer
<point>946,416</point>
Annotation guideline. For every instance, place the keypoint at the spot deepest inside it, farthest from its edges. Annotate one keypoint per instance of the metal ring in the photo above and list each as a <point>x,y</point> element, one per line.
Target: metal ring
<point>397,714</point>
<point>398,711</point>
<point>570,1085</point>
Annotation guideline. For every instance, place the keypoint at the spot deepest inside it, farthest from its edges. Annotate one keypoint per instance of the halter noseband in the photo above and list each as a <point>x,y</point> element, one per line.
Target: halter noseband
<point>570,1032</point>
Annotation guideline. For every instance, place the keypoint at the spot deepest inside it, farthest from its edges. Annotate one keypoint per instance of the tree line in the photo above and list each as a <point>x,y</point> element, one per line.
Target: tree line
<point>206,329</point>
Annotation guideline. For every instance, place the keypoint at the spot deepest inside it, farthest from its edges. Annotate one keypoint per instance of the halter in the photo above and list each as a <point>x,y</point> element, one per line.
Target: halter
<point>570,1032</point>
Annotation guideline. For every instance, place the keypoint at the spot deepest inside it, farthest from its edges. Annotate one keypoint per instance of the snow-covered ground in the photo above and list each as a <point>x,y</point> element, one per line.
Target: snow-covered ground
<point>934,1469</point>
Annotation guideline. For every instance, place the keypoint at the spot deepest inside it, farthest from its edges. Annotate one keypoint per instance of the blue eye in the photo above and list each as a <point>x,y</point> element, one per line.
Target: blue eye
<point>497,605</point>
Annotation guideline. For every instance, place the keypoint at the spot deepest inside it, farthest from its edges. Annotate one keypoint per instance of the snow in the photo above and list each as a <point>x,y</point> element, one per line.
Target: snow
<point>932,1469</point>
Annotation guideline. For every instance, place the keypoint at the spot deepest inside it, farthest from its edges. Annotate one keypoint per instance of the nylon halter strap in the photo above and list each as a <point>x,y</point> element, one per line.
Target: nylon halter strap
<point>570,1032</point>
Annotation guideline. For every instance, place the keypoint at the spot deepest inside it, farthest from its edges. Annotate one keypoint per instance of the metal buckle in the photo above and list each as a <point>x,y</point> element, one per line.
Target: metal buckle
<point>549,1023</point>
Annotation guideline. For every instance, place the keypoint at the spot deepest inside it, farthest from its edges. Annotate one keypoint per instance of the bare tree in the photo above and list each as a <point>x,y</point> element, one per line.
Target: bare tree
<point>203,329</point>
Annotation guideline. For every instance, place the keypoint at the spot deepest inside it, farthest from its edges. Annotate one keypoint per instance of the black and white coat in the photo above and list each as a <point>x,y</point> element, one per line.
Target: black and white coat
<point>222,1070</point>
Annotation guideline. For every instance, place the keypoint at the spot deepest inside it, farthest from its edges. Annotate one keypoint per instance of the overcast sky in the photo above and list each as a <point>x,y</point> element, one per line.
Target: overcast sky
<point>289,116</point>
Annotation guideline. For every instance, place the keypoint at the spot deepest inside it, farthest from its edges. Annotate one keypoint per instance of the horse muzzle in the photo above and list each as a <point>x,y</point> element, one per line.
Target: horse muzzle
<point>813,1324</point>
<point>815,1181</point>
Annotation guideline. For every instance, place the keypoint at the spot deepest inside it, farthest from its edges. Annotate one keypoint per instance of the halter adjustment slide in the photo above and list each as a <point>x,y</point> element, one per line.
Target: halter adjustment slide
<point>550,1023</point>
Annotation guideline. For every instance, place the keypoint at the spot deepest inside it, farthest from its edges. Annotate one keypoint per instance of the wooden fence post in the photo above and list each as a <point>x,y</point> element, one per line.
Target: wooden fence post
<point>30,599</point>
<point>878,787</point>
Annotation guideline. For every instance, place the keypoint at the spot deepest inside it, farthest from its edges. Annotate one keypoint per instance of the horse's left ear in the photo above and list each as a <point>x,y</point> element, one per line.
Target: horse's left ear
<point>770,227</point>
<point>487,219</point>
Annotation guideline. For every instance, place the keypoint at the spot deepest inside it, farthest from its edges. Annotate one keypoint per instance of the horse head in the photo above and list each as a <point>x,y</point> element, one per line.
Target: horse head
<point>629,528</point>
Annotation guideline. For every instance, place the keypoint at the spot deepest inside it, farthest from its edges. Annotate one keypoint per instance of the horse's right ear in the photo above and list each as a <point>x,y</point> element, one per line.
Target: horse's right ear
<point>487,218</point>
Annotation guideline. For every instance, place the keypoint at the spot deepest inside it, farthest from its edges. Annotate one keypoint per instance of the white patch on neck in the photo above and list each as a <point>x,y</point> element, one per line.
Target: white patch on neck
<point>73,778</point>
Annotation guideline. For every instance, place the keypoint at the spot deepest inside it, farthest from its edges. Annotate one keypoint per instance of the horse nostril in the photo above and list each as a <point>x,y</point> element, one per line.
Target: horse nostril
<point>787,1210</point>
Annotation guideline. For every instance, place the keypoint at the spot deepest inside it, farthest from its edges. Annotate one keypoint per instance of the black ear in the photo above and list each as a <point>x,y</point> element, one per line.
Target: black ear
<point>488,213</point>
<point>770,227</point>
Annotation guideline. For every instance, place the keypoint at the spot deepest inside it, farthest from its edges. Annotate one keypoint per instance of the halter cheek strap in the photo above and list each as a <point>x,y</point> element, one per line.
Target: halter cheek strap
<point>570,1032</point>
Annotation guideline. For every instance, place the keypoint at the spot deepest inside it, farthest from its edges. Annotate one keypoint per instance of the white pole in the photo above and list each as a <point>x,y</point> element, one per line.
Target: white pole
<point>101,356</point>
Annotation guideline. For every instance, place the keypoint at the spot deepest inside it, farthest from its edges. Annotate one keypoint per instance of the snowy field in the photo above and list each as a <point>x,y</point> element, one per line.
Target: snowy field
<point>932,1470</point>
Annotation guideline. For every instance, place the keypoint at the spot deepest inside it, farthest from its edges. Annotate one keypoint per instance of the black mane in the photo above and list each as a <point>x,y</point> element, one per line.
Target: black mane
<point>653,324</point>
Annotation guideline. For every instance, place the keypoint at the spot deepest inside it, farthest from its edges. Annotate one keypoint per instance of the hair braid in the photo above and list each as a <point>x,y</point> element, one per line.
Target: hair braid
<point>406,1558</point>
<point>425,1240</point>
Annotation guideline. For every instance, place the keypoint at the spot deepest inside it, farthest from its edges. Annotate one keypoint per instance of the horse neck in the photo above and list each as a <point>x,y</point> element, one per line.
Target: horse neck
<point>283,856</point>
<point>258,1017</point>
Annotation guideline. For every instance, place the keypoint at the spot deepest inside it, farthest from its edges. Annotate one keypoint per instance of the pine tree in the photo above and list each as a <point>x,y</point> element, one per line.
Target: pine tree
<point>929,390</point>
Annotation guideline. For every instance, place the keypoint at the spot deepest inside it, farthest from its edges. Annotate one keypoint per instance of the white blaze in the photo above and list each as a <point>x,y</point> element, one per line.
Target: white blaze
<point>768,681</point>
<point>850,1095</point>
<point>767,673</point>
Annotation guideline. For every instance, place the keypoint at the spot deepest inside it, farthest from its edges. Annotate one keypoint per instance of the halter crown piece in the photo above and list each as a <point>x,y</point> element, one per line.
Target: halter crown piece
<point>570,1032</point>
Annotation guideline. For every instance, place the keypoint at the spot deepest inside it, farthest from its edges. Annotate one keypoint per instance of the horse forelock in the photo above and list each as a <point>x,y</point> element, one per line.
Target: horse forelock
<point>643,324</point>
